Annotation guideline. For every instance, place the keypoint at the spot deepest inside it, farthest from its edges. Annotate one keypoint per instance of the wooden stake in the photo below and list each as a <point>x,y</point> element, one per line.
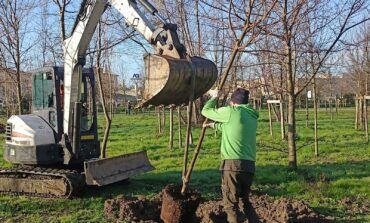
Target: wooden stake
<point>366,124</point>
<point>179,123</point>
<point>163,118</point>
<point>331,109</point>
<point>170,143</point>
<point>270,119</point>
<point>282,129</point>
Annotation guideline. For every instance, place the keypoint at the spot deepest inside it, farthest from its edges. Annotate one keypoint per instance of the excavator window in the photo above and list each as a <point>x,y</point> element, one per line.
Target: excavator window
<point>43,91</point>
<point>86,105</point>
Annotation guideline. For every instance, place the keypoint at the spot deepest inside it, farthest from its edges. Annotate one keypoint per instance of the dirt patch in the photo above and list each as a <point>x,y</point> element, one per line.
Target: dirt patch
<point>138,209</point>
<point>178,208</point>
<point>283,210</point>
<point>262,209</point>
<point>211,211</point>
<point>356,205</point>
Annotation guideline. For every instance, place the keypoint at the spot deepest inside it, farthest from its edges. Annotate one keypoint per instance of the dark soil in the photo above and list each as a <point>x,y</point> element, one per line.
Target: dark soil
<point>178,208</point>
<point>133,209</point>
<point>263,209</point>
<point>356,205</point>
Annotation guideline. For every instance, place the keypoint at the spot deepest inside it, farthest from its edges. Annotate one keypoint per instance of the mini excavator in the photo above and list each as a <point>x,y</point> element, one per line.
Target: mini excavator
<point>56,148</point>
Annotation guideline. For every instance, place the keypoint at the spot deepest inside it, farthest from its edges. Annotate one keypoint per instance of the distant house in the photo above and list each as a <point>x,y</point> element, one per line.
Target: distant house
<point>123,96</point>
<point>328,86</point>
<point>110,84</point>
<point>133,95</point>
<point>8,87</point>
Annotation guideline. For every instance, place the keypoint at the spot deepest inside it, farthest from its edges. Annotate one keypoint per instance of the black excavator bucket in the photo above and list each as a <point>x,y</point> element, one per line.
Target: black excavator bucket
<point>168,81</point>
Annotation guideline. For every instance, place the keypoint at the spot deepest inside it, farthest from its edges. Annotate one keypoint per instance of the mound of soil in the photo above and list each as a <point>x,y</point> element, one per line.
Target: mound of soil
<point>262,209</point>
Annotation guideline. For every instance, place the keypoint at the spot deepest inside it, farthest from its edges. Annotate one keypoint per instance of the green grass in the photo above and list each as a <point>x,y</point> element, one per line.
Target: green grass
<point>342,169</point>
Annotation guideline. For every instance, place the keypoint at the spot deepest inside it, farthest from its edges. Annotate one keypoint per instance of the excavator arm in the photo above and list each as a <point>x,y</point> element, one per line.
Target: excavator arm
<point>76,45</point>
<point>163,38</point>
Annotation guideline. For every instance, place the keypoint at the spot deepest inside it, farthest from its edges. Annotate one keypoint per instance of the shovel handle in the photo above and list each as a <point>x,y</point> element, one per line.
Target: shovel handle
<point>195,156</point>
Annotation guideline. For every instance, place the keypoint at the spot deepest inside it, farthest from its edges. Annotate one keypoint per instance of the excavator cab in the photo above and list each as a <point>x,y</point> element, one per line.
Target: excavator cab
<point>33,139</point>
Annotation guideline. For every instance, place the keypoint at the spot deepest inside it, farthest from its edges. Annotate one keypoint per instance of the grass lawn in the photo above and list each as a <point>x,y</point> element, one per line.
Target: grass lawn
<point>340,172</point>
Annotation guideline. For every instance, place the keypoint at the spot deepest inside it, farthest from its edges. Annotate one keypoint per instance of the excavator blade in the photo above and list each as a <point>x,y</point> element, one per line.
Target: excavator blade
<point>110,170</point>
<point>168,80</point>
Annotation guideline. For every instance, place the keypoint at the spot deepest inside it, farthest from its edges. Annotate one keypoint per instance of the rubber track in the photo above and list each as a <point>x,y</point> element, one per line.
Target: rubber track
<point>75,181</point>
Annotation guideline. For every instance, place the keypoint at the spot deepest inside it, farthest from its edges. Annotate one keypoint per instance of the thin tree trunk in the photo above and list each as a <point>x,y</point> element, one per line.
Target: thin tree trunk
<point>18,72</point>
<point>7,101</point>
<point>111,95</point>
<point>19,93</point>
<point>331,109</point>
<point>315,117</point>
<point>366,124</point>
<point>292,151</point>
<point>170,143</point>
<point>307,114</point>
<point>159,120</point>
<point>356,111</point>
<point>361,113</point>
<point>292,157</point>
<point>187,139</point>
<point>198,28</point>
<point>102,97</point>
<point>179,124</point>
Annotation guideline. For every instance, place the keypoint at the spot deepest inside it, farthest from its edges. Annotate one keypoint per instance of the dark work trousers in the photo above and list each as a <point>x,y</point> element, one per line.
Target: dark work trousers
<point>235,191</point>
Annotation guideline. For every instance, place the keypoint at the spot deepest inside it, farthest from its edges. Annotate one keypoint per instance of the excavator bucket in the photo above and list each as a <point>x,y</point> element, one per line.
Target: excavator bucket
<point>110,170</point>
<point>168,81</point>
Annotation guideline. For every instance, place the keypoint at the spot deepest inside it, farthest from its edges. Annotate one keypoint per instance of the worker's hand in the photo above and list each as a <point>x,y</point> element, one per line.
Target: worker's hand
<point>209,125</point>
<point>214,93</point>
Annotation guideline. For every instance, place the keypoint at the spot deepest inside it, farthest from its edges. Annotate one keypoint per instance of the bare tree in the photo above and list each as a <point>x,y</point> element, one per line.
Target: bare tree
<point>305,29</point>
<point>108,119</point>
<point>358,68</point>
<point>62,7</point>
<point>14,44</point>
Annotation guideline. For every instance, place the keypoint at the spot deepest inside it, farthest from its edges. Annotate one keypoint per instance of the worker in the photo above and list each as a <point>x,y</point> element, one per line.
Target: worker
<point>238,125</point>
<point>128,108</point>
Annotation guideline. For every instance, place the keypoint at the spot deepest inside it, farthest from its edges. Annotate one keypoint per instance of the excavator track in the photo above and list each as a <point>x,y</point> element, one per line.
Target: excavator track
<point>41,182</point>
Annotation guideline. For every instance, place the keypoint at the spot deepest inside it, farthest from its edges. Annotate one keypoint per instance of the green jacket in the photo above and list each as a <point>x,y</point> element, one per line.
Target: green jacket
<point>238,125</point>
